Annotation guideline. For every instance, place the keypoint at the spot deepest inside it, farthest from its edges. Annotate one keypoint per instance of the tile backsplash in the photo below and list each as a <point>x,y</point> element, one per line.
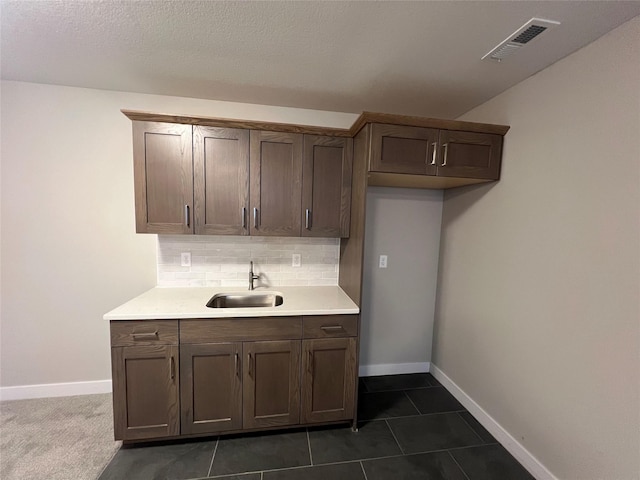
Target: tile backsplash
<point>223,261</point>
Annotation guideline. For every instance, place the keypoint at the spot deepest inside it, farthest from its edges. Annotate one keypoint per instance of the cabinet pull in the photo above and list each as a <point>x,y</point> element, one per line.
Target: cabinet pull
<point>145,336</point>
<point>446,150</point>
<point>250,357</point>
<point>244,217</point>
<point>310,362</point>
<point>255,217</point>
<point>187,220</point>
<point>332,327</point>
<point>172,368</point>
<point>435,152</point>
<point>307,219</point>
<point>236,365</point>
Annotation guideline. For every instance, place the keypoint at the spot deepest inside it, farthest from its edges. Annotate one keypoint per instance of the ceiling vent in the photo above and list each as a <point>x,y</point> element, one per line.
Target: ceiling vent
<point>521,37</point>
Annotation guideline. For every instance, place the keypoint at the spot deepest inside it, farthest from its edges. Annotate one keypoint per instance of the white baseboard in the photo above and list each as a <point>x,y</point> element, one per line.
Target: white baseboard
<point>393,369</point>
<point>55,390</point>
<point>528,461</point>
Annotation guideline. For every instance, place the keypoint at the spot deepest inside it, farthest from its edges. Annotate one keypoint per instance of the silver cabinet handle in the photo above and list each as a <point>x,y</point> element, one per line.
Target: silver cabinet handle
<point>255,217</point>
<point>187,220</point>
<point>145,336</point>
<point>244,217</point>
<point>435,152</point>
<point>250,357</point>
<point>236,365</point>
<point>446,150</point>
<point>307,219</point>
<point>332,327</point>
<point>172,368</point>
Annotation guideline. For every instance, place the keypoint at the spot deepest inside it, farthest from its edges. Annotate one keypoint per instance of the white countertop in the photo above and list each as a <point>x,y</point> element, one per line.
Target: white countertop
<point>190,302</point>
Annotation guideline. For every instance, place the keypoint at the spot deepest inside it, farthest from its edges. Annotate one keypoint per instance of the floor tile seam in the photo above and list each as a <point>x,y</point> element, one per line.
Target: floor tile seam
<point>309,446</point>
<point>471,427</point>
<point>403,389</point>
<point>415,416</point>
<point>459,466</point>
<point>296,467</point>
<point>412,403</point>
<point>394,437</point>
<point>215,449</point>
<point>448,449</point>
<point>363,470</point>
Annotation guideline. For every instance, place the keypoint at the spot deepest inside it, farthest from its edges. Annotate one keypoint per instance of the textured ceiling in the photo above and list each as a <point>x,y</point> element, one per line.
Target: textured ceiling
<point>419,58</point>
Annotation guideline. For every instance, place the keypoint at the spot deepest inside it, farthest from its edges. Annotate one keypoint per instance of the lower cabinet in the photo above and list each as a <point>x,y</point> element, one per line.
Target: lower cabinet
<point>211,387</point>
<point>233,380</point>
<point>328,379</point>
<point>145,392</point>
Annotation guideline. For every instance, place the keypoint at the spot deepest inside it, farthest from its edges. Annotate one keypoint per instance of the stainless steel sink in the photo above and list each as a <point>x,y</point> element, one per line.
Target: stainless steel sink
<point>244,300</point>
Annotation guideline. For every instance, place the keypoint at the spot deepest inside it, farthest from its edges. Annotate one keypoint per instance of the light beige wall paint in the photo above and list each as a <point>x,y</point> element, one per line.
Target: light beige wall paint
<point>69,251</point>
<point>398,302</point>
<point>538,305</point>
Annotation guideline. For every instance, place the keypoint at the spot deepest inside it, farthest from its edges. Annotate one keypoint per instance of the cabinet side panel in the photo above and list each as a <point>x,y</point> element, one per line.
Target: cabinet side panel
<point>352,248</point>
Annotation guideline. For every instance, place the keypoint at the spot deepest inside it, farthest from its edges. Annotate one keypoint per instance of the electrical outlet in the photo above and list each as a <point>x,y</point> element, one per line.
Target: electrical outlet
<point>383,261</point>
<point>185,259</point>
<point>295,260</point>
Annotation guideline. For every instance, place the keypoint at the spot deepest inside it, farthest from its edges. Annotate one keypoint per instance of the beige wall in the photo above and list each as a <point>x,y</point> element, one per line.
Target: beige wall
<point>398,302</point>
<point>69,251</point>
<point>538,305</point>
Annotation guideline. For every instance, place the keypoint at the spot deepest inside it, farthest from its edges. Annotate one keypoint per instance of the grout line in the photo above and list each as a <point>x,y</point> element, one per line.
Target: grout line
<point>215,449</point>
<point>261,475</point>
<point>402,389</point>
<point>309,445</point>
<point>394,437</point>
<point>471,427</point>
<point>414,405</point>
<point>459,466</point>
<point>363,472</point>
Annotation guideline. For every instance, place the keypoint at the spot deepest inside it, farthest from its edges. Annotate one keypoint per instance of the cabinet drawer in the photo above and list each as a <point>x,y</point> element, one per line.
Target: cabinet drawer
<point>324,326</point>
<point>126,333</point>
<point>240,329</point>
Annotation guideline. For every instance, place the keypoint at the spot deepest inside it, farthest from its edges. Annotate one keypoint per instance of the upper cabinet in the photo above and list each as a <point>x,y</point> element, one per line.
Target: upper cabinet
<point>212,180</point>
<point>212,176</point>
<point>399,153</point>
<point>326,186</point>
<point>163,177</point>
<point>220,180</point>
<point>276,183</point>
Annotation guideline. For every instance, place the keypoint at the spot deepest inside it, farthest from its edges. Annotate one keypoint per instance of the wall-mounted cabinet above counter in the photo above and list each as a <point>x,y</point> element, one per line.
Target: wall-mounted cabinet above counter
<point>211,176</point>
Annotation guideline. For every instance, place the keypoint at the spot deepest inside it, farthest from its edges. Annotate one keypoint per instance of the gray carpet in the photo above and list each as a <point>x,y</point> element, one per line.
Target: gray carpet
<point>65,438</point>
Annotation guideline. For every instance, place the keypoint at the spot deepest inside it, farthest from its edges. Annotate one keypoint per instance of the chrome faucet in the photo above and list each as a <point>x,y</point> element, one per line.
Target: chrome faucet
<point>252,277</point>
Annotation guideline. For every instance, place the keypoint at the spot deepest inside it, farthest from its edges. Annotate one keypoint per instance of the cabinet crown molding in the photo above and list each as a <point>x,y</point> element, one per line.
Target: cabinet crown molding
<point>361,121</point>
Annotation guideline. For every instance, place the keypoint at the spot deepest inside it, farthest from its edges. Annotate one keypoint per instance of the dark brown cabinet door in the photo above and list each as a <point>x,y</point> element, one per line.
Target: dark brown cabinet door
<point>145,392</point>
<point>276,183</point>
<point>326,186</point>
<point>328,379</point>
<point>163,176</point>
<point>403,149</point>
<point>211,387</point>
<point>221,180</point>
<point>469,155</point>
<point>271,385</point>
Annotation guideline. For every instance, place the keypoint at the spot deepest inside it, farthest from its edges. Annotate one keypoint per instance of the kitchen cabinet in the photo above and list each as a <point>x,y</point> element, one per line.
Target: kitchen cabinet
<point>221,180</point>
<point>411,150</point>
<point>231,181</point>
<point>211,387</point>
<point>191,377</point>
<point>163,177</point>
<point>271,383</point>
<point>145,374</point>
<point>276,183</point>
<point>329,368</point>
<point>326,186</point>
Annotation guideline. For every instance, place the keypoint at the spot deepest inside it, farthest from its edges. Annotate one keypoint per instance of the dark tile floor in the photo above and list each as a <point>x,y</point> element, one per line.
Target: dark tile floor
<point>410,427</point>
